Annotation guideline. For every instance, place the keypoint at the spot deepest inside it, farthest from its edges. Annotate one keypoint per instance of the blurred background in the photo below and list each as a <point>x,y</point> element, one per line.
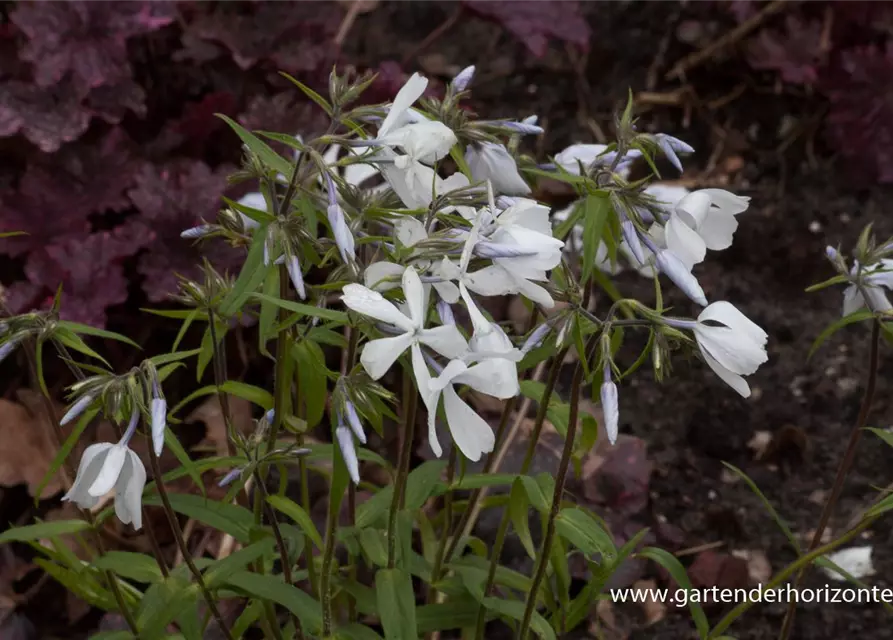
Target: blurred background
<point>109,148</point>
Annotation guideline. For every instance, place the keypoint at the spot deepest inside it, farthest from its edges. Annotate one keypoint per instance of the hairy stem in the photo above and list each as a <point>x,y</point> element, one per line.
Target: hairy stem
<point>846,463</point>
<point>546,550</point>
<point>501,533</point>
<point>408,432</point>
<point>184,548</point>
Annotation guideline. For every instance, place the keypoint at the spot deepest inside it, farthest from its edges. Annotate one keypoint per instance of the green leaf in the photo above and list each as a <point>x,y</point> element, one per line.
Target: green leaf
<point>356,631</point>
<point>247,618</point>
<point>82,584</point>
<point>260,148</point>
<point>883,434</point>
<point>454,614</point>
<point>564,228</point>
<point>267,310</point>
<point>595,214</point>
<point>176,356</point>
<point>272,588</point>
<point>173,444</point>
<point>73,341</point>
<point>827,283</point>
<point>302,309</point>
<point>86,329</point>
<point>250,277</point>
<point>396,604</point>
<point>134,566</point>
<point>421,482</point>
<point>220,571</point>
<point>163,602</point>
<point>515,610</point>
<point>768,505</point>
<point>834,327</point>
<point>669,562</point>
<point>310,93</point>
<point>312,380</point>
<point>43,530</point>
<point>228,518</point>
<point>520,514</point>
<point>541,501</point>
<point>300,517</point>
<point>585,532</point>
<point>258,396</point>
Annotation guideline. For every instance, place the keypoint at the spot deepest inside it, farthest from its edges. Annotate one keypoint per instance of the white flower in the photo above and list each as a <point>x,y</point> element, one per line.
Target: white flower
<point>703,220</point>
<point>105,466</point>
<point>856,561</point>
<point>379,355</point>
<point>873,278</point>
<point>345,436</point>
<point>587,154</point>
<point>734,349</point>
<point>492,161</point>
<point>159,423</point>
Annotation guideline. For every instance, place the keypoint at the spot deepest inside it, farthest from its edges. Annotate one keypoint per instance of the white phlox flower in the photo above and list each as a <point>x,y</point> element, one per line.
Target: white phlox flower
<point>873,277</point>
<point>106,466</point>
<point>492,161</point>
<point>379,355</point>
<point>732,345</point>
<point>703,220</point>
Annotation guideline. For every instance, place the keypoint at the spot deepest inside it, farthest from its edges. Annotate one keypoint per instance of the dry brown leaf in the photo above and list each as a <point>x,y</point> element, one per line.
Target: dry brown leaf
<point>759,442</point>
<point>26,450</point>
<point>654,609</point>
<point>211,414</point>
<point>758,568</point>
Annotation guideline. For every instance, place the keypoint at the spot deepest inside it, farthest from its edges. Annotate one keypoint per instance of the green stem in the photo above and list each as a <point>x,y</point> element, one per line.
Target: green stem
<point>501,533</point>
<point>447,523</point>
<point>846,463</point>
<point>408,433</point>
<point>326,572</point>
<point>184,548</point>
<point>546,550</point>
<point>799,564</point>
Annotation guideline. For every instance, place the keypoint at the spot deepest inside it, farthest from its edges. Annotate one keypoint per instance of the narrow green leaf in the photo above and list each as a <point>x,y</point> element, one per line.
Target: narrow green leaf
<point>834,327</point>
<point>515,610</point>
<point>302,309</point>
<point>267,310</point>
<point>396,604</point>
<point>269,587</point>
<point>228,518</point>
<point>595,213</point>
<point>220,571</point>
<point>250,277</point>
<point>585,532</point>
<point>312,380</point>
<point>86,329</point>
<point>421,482</point>
<point>263,151</point>
<point>669,562</point>
<point>163,602</point>
<point>519,512</point>
<point>310,93</point>
<point>73,341</point>
<point>173,444</point>
<point>134,566</point>
<point>43,530</point>
<point>827,283</point>
<point>300,517</point>
<point>176,356</point>
<point>356,631</point>
<point>80,584</point>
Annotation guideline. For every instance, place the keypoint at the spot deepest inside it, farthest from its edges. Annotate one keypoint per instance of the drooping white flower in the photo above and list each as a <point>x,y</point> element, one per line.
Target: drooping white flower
<point>106,466</point>
<point>379,355</point>
<point>492,161</point>
<point>873,277</point>
<point>703,220</point>
<point>732,345</point>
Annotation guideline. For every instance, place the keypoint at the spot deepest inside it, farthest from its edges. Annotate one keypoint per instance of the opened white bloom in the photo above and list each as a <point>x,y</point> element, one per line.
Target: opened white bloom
<point>703,220</point>
<point>492,161</point>
<point>571,158</point>
<point>379,355</point>
<point>732,345</point>
<point>105,466</point>
<point>873,278</point>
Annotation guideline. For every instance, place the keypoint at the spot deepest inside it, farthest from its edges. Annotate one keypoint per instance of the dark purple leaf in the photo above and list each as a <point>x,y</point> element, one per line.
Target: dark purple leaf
<point>86,38</point>
<point>534,23</point>
<point>111,102</point>
<point>47,117</point>
<point>297,35</point>
<point>287,112</point>
<point>172,198</point>
<point>860,120</point>
<point>794,51</point>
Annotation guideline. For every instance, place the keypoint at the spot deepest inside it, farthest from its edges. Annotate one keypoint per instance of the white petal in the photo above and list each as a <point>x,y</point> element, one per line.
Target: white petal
<point>471,433</point>
<point>856,561</point>
<point>409,231</point>
<point>415,297</point>
<point>669,264</point>
<point>729,315</point>
<point>717,230</point>
<point>494,280</point>
<point>379,355</point>
<point>453,369</point>
<point>877,299</point>
<point>478,321</point>
<point>685,242</point>
<point>383,276</point>
<point>111,469</point>
<point>371,303</point>
<point>428,141</point>
<point>447,291</point>
<point>88,470</point>
<point>735,381</point>
<point>734,350</point>
<point>422,375</point>
<point>129,491</point>
<point>584,153</point>
<point>408,94</point>
<point>727,201</point>
<point>693,208</point>
<point>529,214</point>
<point>852,300</point>
<point>446,340</point>
<point>413,184</point>
<point>433,401</point>
<point>492,161</point>
<point>667,195</point>
<point>497,378</point>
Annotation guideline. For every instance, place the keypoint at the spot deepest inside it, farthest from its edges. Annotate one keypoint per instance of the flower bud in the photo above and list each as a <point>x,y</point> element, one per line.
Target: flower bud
<point>463,79</point>
<point>297,278</point>
<point>445,312</point>
<point>348,452</point>
<point>628,230</point>
<point>230,477</point>
<point>197,232</point>
<point>353,421</point>
<point>670,146</point>
<point>610,407</point>
<point>159,423</point>
<point>76,409</point>
<point>536,338</point>
<point>669,264</point>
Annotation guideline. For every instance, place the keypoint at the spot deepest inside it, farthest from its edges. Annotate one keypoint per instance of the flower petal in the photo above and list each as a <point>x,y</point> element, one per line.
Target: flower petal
<point>685,242</point>
<point>409,231</point>
<point>496,377</point>
<point>91,464</point>
<point>408,94</point>
<point>471,433</point>
<point>111,469</point>
<point>379,355</point>
<point>372,304</point>
<point>717,230</point>
<point>422,376</point>
<point>446,340</point>
<point>129,491</point>
<point>734,380</point>
<point>415,297</point>
<point>383,276</point>
<point>726,201</point>
<point>728,314</point>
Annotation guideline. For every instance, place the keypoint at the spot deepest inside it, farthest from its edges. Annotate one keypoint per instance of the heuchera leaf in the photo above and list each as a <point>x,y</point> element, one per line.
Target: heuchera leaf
<point>534,23</point>
<point>172,198</point>
<point>794,52</point>
<point>46,117</point>
<point>860,121</point>
<point>87,38</point>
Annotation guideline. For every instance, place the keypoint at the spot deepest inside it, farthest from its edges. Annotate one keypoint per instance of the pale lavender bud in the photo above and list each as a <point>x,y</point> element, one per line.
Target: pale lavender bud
<point>832,253</point>
<point>438,369</point>
<point>536,338</point>
<point>390,329</point>
<point>229,477</point>
<point>628,229</point>
<point>8,347</point>
<point>463,79</point>
<point>270,415</point>
<point>487,249</point>
<point>531,119</point>
<point>353,421</point>
<point>76,409</point>
<point>131,426</point>
<point>679,323</point>
<point>610,407</point>
<point>445,312</point>
<point>504,202</point>
<point>279,260</point>
<point>159,423</point>
<point>297,278</point>
<point>670,146</point>
<point>197,232</point>
<point>348,452</point>
<point>669,264</point>
<point>519,127</point>
<point>267,251</point>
